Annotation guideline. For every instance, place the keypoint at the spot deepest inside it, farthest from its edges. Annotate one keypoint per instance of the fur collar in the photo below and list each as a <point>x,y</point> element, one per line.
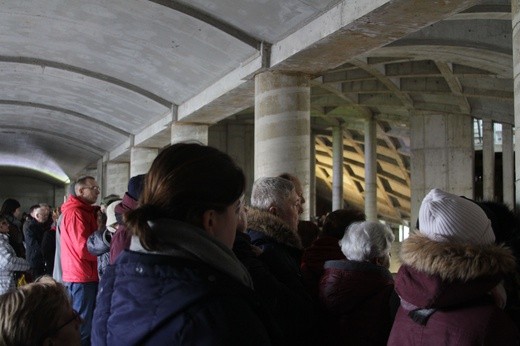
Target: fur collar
<point>272,226</point>
<point>456,261</point>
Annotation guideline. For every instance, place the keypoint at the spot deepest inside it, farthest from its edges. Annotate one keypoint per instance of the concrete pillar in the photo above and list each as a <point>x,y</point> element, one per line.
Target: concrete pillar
<point>141,159</point>
<point>100,175</point>
<point>337,167</point>
<point>312,181</point>
<point>488,160</point>
<point>370,169</point>
<point>236,140</point>
<point>282,127</point>
<point>188,132</point>
<point>118,175</point>
<point>508,158</point>
<point>515,9</point>
<point>442,156</point>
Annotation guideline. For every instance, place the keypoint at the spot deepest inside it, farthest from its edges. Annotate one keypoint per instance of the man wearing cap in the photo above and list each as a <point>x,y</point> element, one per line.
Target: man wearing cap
<point>449,283</point>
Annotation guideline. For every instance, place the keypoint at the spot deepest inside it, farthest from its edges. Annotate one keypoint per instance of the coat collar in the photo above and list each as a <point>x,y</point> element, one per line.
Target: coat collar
<point>272,226</point>
<point>453,261</point>
<point>187,241</point>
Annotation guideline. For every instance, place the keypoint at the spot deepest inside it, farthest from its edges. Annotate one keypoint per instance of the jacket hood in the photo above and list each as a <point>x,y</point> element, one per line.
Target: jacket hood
<point>273,227</point>
<point>127,204</point>
<point>75,202</point>
<point>346,285</point>
<point>456,262</point>
<point>183,240</point>
<point>322,249</point>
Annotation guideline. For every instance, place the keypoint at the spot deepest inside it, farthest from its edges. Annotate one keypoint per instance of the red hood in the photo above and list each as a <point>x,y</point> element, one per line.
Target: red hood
<point>76,202</point>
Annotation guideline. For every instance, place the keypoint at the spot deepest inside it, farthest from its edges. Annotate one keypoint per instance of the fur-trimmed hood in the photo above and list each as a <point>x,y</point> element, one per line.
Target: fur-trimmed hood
<point>273,227</point>
<point>456,262</point>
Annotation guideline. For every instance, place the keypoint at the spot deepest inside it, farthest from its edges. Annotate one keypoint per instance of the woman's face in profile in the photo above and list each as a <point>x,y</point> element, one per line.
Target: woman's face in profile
<point>223,226</point>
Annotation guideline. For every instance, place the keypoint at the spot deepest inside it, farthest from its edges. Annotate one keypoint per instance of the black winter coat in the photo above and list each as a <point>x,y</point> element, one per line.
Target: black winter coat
<point>161,300</point>
<point>280,283</point>
<point>33,233</point>
<point>195,292</point>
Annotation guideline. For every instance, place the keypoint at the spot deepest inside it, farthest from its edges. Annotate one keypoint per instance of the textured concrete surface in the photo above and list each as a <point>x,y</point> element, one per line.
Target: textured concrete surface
<point>87,81</point>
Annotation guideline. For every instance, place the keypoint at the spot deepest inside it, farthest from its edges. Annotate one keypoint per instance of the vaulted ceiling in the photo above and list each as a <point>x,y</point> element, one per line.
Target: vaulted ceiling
<point>82,80</point>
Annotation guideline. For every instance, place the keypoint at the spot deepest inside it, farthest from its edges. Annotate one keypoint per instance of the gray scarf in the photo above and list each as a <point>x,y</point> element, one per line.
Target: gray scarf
<point>187,241</point>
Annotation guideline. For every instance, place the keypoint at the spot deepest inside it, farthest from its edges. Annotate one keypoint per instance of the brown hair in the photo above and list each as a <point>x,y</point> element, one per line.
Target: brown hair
<point>185,180</point>
<point>337,222</point>
<point>30,312</point>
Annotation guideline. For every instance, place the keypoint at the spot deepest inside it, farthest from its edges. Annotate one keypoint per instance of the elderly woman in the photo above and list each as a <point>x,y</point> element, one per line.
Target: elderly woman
<point>180,283</point>
<point>39,313</point>
<point>449,283</point>
<point>326,247</point>
<point>356,292</point>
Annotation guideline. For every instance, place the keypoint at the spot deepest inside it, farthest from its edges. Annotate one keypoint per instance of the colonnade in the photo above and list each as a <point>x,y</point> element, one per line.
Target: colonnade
<point>442,145</point>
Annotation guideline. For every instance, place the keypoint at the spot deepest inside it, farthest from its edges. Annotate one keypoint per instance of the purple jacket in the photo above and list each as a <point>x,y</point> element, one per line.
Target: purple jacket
<point>445,300</point>
<point>356,297</point>
<point>121,239</point>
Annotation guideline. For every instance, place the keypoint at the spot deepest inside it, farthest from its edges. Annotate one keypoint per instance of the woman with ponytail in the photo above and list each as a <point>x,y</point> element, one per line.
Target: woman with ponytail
<point>180,283</point>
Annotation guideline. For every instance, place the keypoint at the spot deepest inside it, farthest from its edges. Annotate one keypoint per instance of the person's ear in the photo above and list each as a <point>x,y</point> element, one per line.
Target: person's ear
<point>208,220</point>
<point>273,210</point>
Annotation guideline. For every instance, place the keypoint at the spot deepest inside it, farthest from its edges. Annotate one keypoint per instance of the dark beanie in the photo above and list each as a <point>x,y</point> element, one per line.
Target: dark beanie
<point>9,206</point>
<point>135,186</point>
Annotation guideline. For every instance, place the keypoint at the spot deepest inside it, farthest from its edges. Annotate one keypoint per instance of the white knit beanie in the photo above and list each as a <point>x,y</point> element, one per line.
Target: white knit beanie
<point>111,213</point>
<point>445,217</point>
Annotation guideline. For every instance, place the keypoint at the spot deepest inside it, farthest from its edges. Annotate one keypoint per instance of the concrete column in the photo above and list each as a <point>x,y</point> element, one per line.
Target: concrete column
<point>488,160</point>
<point>337,167</point>
<point>141,159</point>
<point>370,169</point>
<point>118,175</point>
<point>312,181</point>
<point>508,158</point>
<point>187,132</point>
<point>515,9</point>
<point>282,127</point>
<point>442,156</point>
<point>236,140</point>
<point>100,173</point>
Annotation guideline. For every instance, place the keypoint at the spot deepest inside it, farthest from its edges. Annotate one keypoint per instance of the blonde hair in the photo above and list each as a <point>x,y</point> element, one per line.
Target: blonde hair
<point>29,313</point>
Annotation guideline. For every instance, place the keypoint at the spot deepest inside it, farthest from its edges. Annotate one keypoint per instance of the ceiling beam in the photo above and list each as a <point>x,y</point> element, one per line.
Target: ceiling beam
<point>207,18</point>
<point>65,111</point>
<point>96,75</point>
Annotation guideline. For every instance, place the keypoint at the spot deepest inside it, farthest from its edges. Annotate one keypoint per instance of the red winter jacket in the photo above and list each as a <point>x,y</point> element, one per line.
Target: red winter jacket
<point>325,248</point>
<point>79,221</point>
<point>444,289</point>
<point>356,297</point>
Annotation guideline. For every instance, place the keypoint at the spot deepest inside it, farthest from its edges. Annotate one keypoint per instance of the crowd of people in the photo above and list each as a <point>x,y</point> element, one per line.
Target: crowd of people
<point>182,258</point>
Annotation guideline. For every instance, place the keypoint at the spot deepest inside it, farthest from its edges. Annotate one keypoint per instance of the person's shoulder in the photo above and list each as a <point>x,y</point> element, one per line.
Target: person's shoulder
<point>4,239</point>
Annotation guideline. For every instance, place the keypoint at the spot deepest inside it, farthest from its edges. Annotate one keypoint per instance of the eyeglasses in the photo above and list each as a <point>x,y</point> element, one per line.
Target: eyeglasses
<point>95,188</point>
<point>75,318</point>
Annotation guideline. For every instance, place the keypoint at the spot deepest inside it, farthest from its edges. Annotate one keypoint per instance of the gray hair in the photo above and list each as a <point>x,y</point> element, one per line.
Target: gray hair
<point>270,191</point>
<point>366,240</point>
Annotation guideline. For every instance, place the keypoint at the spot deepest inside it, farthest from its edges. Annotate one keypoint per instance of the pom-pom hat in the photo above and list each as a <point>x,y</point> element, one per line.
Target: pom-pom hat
<point>444,217</point>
